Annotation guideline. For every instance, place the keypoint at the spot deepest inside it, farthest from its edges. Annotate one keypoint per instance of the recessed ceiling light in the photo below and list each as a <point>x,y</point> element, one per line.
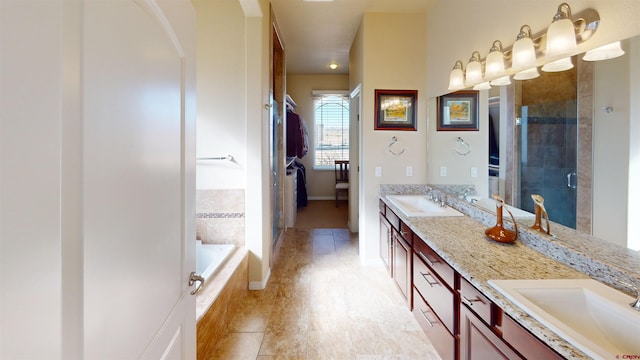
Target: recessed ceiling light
<point>333,66</point>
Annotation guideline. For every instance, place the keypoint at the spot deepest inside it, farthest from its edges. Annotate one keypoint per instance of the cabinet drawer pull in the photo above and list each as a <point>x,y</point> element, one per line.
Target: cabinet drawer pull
<point>404,233</point>
<point>426,258</point>
<point>427,280</point>
<point>424,315</point>
<point>469,302</point>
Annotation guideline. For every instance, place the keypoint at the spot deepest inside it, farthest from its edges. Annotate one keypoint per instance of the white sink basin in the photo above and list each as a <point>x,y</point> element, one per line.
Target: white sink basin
<point>490,205</point>
<point>586,313</point>
<point>420,206</point>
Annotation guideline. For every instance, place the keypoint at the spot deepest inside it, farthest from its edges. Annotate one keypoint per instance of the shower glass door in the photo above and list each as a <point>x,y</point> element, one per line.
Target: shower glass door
<point>548,151</point>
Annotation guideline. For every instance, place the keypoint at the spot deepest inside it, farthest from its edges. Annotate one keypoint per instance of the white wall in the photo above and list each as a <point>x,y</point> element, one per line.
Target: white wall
<point>384,40</point>
<point>221,91</point>
<point>320,183</point>
<point>633,226</point>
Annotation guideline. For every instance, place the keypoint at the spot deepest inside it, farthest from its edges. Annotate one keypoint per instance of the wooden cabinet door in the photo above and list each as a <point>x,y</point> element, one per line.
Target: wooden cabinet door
<point>478,342</point>
<point>401,265</point>
<point>385,242</point>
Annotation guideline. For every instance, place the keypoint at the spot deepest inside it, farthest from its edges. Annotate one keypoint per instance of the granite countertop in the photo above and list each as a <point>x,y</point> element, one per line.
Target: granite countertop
<point>461,242</point>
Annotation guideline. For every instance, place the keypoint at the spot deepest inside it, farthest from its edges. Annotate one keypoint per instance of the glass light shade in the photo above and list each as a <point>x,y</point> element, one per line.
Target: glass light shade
<point>561,39</point>
<point>527,74</point>
<point>605,52</point>
<point>482,86</point>
<point>504,80</point>
<point>456,79</point>
<point>495,64</point>
<point>558,65</point>
<point>523,54</point>
<point>474,73</point>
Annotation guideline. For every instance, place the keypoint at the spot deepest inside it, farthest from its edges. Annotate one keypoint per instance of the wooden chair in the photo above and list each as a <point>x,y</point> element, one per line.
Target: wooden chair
<point>342,177</point>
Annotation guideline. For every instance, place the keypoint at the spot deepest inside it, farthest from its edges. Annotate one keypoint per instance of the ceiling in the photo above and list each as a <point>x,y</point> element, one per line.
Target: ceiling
<point>317,33</point>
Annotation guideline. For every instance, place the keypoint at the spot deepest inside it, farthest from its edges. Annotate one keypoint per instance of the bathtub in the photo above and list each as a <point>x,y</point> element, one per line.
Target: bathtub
<point>210,257</point>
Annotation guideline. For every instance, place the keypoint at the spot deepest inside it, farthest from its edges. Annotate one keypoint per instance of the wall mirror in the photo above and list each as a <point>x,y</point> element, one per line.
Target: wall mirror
<point>566,136</point>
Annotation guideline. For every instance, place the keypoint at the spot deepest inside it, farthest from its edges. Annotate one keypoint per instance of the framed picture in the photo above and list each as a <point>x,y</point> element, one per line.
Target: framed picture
<point>396,109</point>
<point>458,111</point>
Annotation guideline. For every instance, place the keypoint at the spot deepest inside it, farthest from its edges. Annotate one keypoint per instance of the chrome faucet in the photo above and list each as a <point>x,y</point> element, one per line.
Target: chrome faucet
<point>635,305</point>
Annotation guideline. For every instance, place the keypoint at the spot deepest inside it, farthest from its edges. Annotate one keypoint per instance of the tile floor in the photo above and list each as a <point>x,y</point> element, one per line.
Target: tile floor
<point>321,303</point>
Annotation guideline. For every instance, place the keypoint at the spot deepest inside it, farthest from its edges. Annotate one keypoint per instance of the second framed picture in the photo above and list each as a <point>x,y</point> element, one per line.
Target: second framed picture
<point>396,109</point>
<point>458,111</point>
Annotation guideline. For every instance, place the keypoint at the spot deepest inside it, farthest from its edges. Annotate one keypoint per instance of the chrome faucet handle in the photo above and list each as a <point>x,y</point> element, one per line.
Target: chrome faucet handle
<point>635,305</point>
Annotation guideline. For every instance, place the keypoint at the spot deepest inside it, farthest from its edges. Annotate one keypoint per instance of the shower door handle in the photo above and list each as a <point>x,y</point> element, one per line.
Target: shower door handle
<point>571,184</point>
<point>193,278</point>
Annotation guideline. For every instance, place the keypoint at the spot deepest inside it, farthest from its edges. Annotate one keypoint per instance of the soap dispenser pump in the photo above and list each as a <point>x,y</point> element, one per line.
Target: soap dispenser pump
<point>498,232</point>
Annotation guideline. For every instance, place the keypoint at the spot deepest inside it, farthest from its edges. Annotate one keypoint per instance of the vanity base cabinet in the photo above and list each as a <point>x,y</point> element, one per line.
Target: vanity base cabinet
<point>385,242</point>
<point>479,342</point>
<point>442,340</point>
<point>401,265</point>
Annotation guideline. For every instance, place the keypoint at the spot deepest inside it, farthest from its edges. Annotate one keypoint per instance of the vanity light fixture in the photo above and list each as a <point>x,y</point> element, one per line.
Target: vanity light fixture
<point>495,61</point>
<point>501,81</point>
<point>558,65</point>
<point>523,55</point>
<point>474,70</point>
<point>606,52</point>
<point>561,34</point>
<point>482,86</point>
<point>456,78</point>
<point>551,47</point>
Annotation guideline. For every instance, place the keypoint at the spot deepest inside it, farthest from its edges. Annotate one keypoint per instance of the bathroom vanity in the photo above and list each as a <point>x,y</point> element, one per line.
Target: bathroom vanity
<point>443,265</point>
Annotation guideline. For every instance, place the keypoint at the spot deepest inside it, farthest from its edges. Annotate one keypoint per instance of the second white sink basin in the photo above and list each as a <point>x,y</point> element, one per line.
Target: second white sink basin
<point>420,205</point>
<point>593,317</point>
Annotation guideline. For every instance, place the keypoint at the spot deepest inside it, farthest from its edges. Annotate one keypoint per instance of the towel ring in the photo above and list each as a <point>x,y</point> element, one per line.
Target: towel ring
<point>394,140</point>
<point>462,148</point>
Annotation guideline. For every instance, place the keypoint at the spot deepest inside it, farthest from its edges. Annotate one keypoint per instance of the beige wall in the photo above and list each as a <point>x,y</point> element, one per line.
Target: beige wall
<point>233,48</point>
<point>222,124</point>
<point>383,40</point>
<point>616,148</point>
<point>320,183</point>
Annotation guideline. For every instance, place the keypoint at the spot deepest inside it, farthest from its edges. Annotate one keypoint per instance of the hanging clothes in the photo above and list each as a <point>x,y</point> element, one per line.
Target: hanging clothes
<point>297,138</point>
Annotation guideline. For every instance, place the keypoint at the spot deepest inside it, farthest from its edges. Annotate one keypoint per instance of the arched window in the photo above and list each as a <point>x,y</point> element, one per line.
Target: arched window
<point>331,125</point>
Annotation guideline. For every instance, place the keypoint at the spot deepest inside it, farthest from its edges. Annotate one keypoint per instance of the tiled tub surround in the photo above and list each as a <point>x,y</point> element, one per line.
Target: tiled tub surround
<point>220,220</point>
<point>220,216</point>
<point>462,243</point>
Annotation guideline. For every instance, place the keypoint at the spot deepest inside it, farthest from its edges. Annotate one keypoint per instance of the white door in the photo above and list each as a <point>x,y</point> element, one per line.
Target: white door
<point>139,242</point>
<point>97,184</point>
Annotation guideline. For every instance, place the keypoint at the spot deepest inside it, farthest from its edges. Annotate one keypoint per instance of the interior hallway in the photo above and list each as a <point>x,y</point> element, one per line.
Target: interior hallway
<point>321,303</point>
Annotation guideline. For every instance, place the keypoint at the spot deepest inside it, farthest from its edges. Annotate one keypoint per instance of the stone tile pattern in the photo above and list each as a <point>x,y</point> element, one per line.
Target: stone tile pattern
<point>462,243</point>
<point>219,301</point>
<point>220,216</point>
<point>321,303</point>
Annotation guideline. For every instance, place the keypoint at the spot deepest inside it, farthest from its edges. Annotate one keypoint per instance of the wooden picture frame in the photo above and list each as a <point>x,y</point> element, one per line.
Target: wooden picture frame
<point>396,109</point>
<point>458,111</point>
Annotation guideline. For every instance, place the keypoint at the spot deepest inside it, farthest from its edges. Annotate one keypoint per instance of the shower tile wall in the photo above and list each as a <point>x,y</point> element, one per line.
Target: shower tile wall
<point>551,155</point>
<point>220,216</point>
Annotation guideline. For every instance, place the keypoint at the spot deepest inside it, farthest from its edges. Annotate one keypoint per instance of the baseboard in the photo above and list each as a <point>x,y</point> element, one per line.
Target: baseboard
<point>260,285</point>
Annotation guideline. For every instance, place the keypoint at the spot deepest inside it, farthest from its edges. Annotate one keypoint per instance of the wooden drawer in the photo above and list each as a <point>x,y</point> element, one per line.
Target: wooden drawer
<point>435,262</point>
<point>406,233</point>
<point>476,302</point>
<point>524,342</point>
<point>393,219</point>
<point>438,334</point>
<point>439,297</point>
